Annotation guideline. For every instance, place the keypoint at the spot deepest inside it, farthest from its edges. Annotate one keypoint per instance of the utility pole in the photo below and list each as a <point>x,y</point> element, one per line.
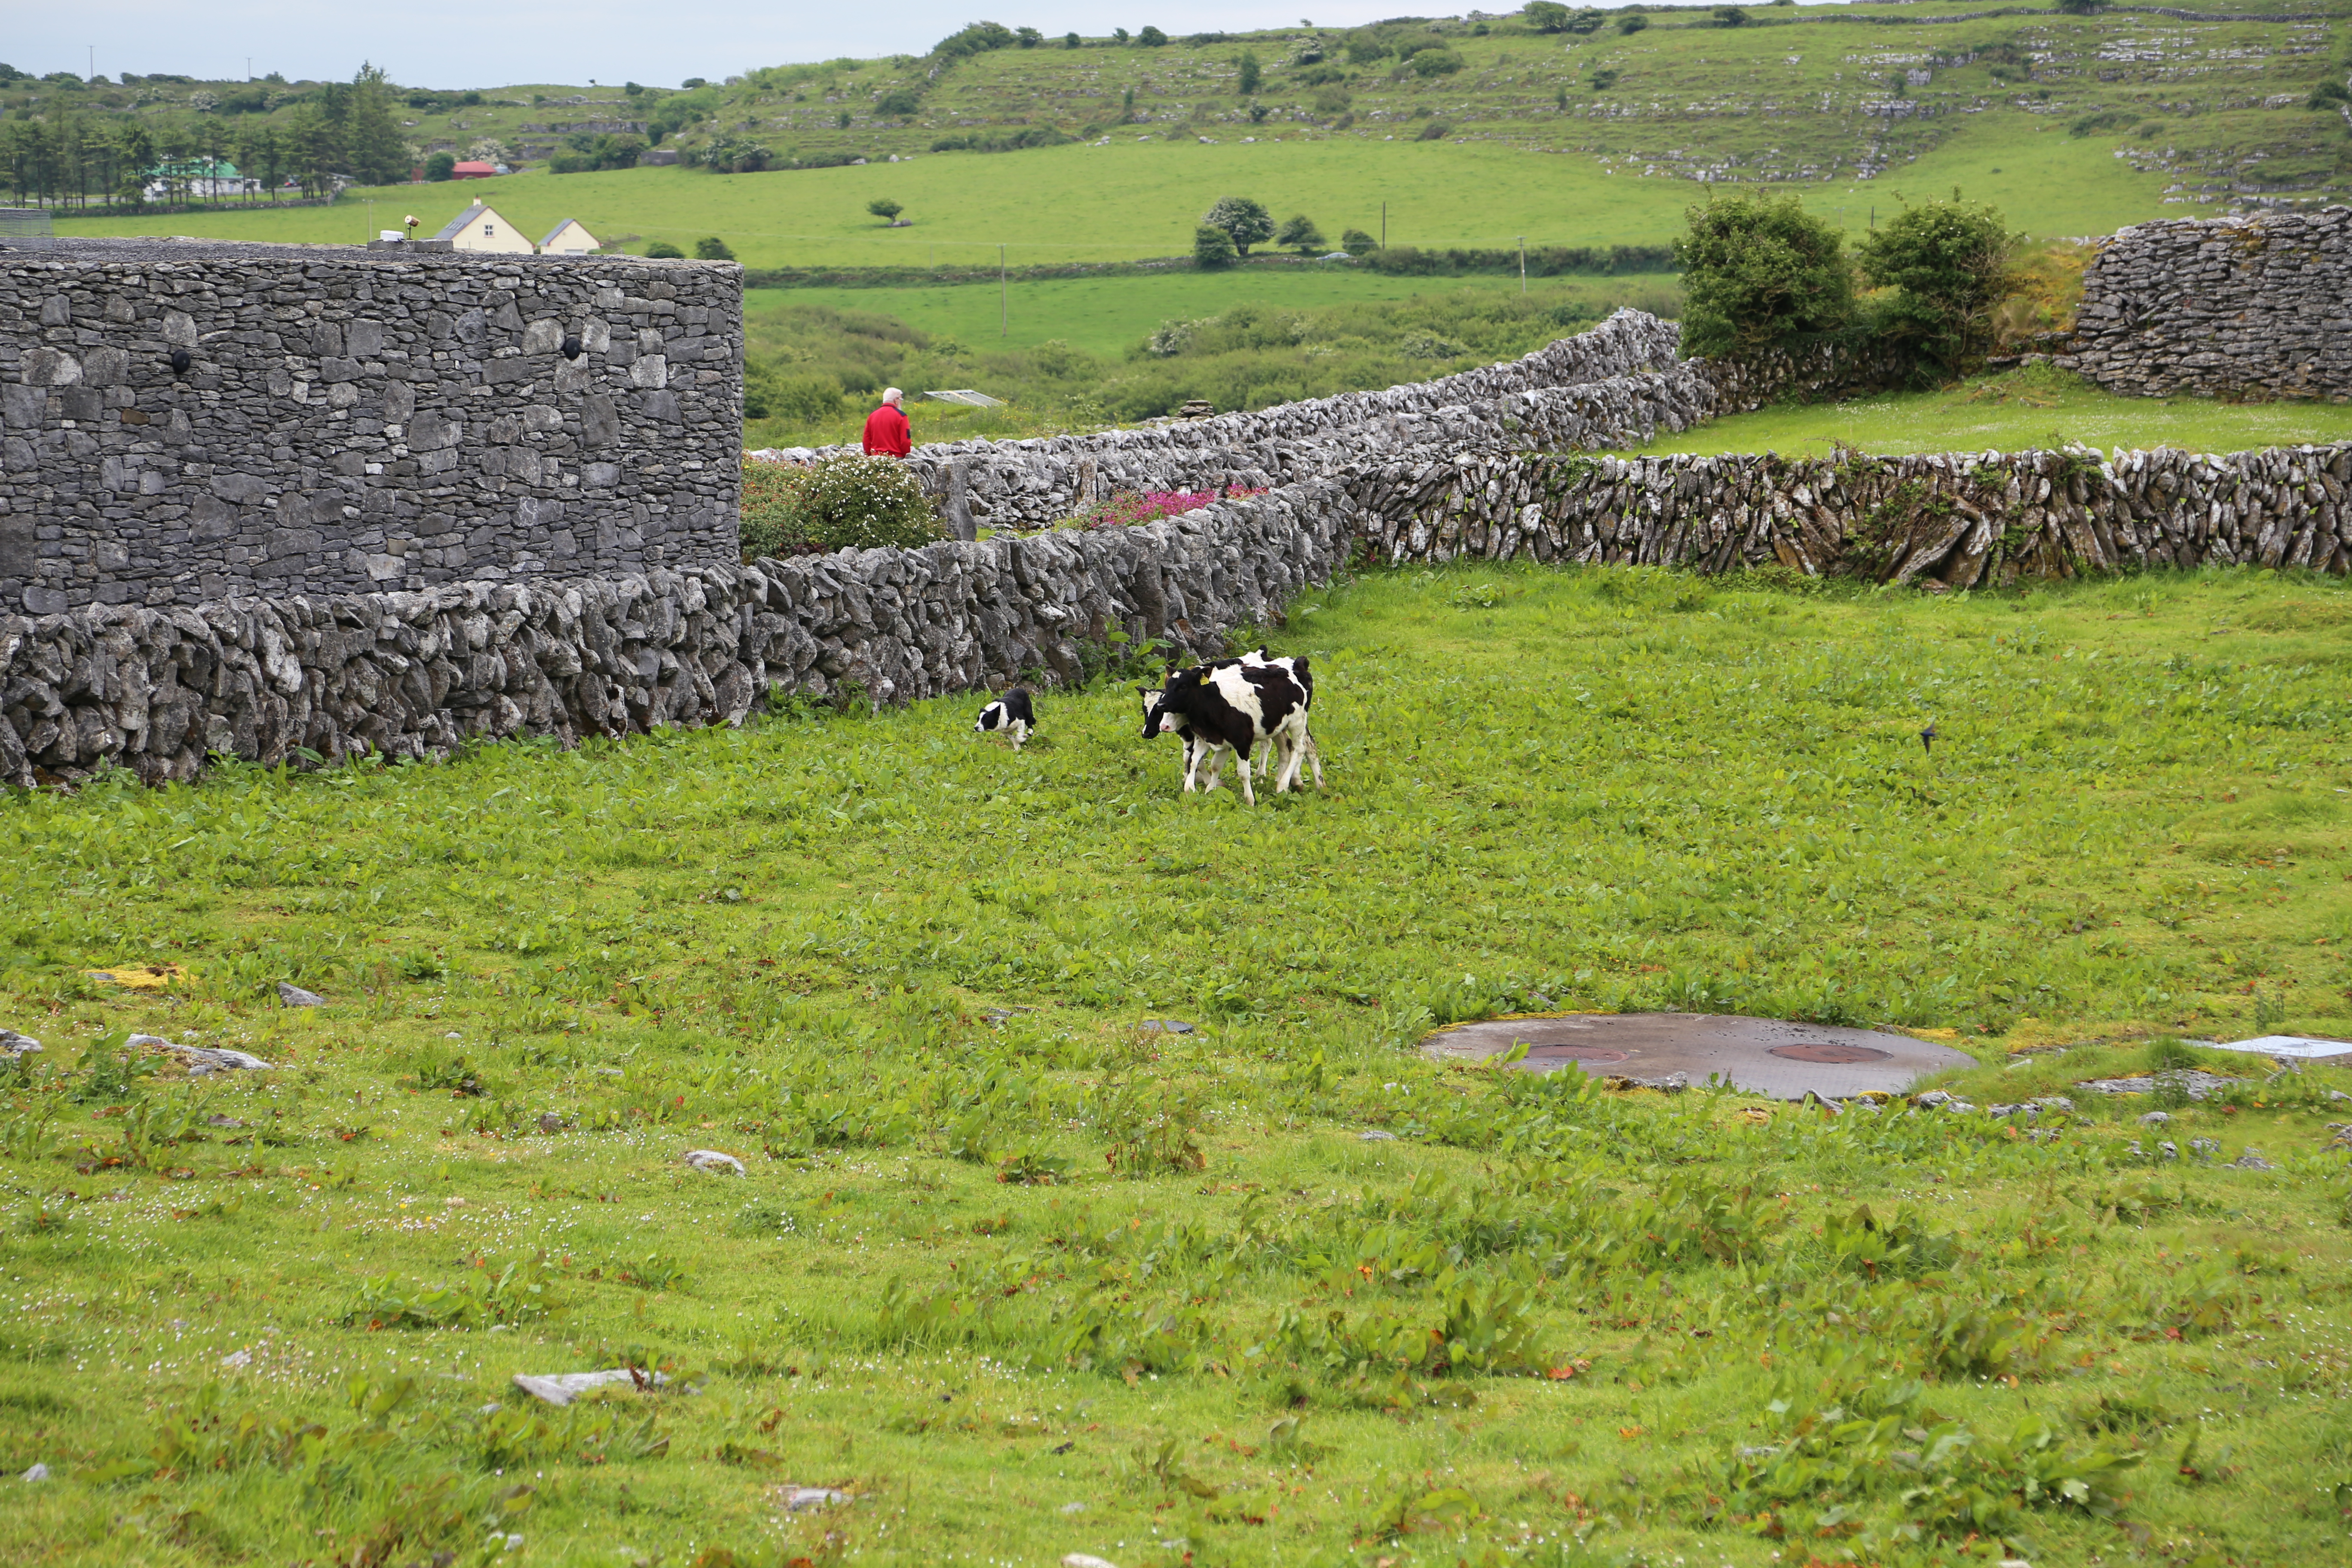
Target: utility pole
<point>1004,299</point>
<point>1384,225</point>
<point>93,62</point>
<point>1523,266</point>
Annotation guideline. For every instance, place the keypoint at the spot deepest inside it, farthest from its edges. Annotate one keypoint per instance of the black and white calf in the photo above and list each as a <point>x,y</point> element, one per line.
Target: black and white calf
<point>1295,665</point>
<point>1236,707</point>
<point>1010,713</point>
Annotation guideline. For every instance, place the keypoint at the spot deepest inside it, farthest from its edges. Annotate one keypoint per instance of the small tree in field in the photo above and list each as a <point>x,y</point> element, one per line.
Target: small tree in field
<point>712,248</point>
<point>1213,249</point>
<point>1250,76</point>
<point>1300,233</point>
<point>1948,264</point>
<point>884,208</point>
<point>1245,221</point>
<point>1761,273</point>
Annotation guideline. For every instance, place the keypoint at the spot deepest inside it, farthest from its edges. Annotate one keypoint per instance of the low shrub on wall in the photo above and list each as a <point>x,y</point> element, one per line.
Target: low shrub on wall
<point>838,504</point>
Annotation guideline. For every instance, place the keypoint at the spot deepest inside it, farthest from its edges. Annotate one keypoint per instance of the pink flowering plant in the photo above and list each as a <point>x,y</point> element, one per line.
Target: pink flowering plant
<point>1129,508</point>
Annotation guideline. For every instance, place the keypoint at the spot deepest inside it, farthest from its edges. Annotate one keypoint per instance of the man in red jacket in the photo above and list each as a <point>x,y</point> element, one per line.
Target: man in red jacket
<point>885,427</point>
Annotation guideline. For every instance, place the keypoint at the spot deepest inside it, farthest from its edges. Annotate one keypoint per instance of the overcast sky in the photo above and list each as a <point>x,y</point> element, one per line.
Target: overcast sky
<point>442,43</point>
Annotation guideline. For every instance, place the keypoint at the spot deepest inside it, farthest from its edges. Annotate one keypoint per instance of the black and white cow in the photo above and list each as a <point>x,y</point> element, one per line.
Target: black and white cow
<point>1236,707</point>
<point>1010,713</point>
<point>1296,664</point>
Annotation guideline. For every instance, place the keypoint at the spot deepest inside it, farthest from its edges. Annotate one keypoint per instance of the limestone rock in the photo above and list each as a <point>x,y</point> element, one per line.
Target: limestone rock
<point>295,996</point>
<point>564,1387</point>
<point>714,1162</point>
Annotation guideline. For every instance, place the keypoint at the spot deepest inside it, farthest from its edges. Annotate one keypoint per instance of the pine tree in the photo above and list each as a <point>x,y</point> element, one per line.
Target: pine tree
<point>372,145</point>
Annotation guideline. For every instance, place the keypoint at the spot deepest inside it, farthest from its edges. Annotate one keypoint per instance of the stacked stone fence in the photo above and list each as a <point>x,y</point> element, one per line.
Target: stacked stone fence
<point>2257,306</point>
<point>1959,520</point>
<point>415,673</point>
<point>419,674</point>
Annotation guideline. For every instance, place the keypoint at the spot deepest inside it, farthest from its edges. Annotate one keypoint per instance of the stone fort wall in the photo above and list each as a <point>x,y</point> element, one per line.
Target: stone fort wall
<point>2232,306</point>
<point>188,421</point>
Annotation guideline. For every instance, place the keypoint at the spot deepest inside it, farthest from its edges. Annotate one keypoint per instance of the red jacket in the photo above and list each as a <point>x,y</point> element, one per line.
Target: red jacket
<point>885,432</point>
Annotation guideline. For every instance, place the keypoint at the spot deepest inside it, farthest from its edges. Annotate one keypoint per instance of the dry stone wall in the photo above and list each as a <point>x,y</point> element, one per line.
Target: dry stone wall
<point>2231,306</point>
<point>417,674</point>
<point>414,674</point>
<point>184,421</point>
<point>1960,520</point>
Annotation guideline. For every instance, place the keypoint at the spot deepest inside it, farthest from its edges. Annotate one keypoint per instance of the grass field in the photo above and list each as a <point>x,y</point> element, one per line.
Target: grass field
<point>1131,201</point>
<point>2020,409</point>
<point>1109,316</point>
<point>1027,1283</point>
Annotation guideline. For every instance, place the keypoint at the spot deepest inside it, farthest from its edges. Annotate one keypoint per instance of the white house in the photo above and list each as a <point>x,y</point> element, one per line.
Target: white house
<point>481,229</point>
<point>198,179</point>
<point>568,238</point>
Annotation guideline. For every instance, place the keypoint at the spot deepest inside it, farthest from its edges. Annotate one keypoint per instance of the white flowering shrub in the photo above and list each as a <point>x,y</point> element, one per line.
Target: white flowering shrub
<point>841,503</point>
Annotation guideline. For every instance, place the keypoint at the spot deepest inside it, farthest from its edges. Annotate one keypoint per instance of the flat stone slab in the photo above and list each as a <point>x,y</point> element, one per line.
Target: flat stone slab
<point>2301,1047</point>
<point>1761,1055</point>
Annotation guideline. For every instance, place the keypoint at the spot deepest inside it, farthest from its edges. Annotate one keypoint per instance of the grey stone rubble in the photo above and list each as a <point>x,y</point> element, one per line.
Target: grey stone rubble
<point>201,1060</point>
<point>713,1163</point>
<point>295,996</point>
<point>2231,306</point>
<point>17,1044</point>
<point>2195,1083</point>
<point>563,1388</point>
<point>344,420</point>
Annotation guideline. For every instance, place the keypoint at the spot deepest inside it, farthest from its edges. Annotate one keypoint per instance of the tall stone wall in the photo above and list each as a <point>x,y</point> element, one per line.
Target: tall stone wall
<point>343,419</point>
<point>2231,307</point>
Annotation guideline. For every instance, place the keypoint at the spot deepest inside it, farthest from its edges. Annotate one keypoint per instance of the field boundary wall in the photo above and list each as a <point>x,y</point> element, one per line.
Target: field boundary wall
<point>419,674</point>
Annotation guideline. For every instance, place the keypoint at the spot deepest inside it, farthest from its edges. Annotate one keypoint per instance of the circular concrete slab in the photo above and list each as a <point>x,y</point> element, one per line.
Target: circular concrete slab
<point>1762,1056</point>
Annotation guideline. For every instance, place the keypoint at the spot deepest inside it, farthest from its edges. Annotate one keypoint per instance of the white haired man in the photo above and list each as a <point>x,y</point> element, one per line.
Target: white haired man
<point>886,431</point>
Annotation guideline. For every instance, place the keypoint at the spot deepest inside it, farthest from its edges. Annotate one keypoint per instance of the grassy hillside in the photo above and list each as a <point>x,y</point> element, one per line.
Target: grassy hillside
<point>2073,125</point>
<point>1021,1277</point>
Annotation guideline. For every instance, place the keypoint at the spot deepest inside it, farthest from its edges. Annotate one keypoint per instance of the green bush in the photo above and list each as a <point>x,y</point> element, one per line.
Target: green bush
<point>441,166</point>
<point>1213,249</point>
<point>711,248</point>
<point>663,250</point>
<point>1428,63</point>
<point>1761,273</point>
<point>1948,264</point>
<point>840,503</point>
<point>1356,242</point>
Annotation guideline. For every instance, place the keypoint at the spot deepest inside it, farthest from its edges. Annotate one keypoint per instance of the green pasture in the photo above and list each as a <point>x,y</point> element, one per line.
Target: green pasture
<point>2035,408</point>
<point>1137,200</point>
<point>2012,412</point>
<point>1022,1276</point>
<point>1109,316</point>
